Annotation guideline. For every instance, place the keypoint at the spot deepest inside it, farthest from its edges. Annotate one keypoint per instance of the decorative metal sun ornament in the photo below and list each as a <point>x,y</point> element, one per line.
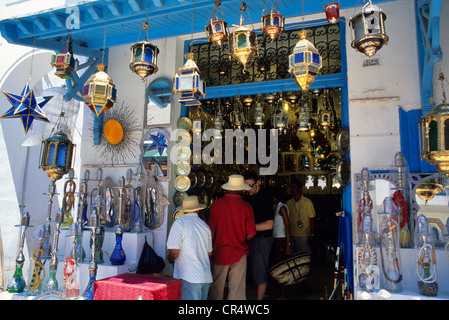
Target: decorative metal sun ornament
<point>144,55</point>
<point>119,137</point>
<point>217,29</point>
<point>243,42</point>
<point>273,23</point>
<point>305,62</point>
<point>369,29</point>
<point>26,107</point>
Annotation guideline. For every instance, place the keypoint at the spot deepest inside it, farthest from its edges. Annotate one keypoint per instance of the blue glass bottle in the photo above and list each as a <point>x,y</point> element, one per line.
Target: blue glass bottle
<point>118,256</point>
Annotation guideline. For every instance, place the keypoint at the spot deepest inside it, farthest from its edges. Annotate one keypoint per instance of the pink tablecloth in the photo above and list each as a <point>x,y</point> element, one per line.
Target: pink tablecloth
<point>131,286</point>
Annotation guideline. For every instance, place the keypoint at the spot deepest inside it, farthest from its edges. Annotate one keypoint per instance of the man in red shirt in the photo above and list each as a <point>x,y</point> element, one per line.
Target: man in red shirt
<point>231,221</point>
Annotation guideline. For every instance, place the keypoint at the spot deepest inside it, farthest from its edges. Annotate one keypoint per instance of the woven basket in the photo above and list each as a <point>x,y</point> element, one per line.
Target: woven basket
<point>292,270</point>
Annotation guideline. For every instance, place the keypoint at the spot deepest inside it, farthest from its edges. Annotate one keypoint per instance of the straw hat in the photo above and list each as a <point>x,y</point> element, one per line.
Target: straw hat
<point>190,204</point>
<point>236,183</point>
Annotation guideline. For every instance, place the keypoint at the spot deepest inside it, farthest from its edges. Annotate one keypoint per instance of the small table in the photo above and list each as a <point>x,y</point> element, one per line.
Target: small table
<point>131,286</point>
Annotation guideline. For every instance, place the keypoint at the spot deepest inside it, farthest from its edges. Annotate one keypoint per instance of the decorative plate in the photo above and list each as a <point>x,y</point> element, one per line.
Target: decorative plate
<point>209,179</point>
<point>184,138</point>
<point>182,168</point>
<point>178,197</point>
<point>182,183</point>
<point>183,152</point>
<point>201,179</point>
<point>193,179</point>
<point>343,171</point>
<point>184,123</point>
<point>342,140</point>
<point>177,215</point>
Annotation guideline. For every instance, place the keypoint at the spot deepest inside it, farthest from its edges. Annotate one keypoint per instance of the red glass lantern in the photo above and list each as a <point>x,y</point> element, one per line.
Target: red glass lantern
<point>332,11</point>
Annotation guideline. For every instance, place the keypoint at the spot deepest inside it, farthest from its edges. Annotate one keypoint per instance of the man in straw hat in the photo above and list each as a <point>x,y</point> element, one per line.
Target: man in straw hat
<point>189,246</point>
<point>231,220</point>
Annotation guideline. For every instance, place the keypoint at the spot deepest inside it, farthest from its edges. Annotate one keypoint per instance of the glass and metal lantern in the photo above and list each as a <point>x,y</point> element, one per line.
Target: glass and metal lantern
<point>243,42</point>
<point>56,155</point>
<point>99,92</point>
<point>144,59</point>
<point>369,29</point>
<point>64,61</point>
<point>332,10</point>
<point>272,24</point>
<point>217,29</point>
<point>434,137</point>
<point>189,83</point>
<point>305,62</point>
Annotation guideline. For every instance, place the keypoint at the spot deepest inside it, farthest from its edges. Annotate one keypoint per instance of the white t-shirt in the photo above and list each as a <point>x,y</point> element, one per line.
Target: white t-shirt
<point>279,226</point>
<point>193,238</point>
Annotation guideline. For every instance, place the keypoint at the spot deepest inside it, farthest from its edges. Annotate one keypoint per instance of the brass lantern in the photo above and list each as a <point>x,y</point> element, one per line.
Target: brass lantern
<point>243,42</point>
<point>99,92</point>
<point>434,137</point>
<point>272,24</point>
<point>56,155</point>
<point>144,59</point>
<point>369,29</point>
<point>217,29</point>
<point>305,62</point>
<point>64,61</point>
<point>189,83</point>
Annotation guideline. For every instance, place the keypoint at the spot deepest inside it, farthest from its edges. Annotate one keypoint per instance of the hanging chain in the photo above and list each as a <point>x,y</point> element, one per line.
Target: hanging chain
<point>104,38</point>
<point>193,16</point>
<point>32,56</point>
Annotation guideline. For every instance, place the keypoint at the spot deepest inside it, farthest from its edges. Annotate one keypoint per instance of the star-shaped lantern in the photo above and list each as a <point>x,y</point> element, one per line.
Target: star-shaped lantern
<point>26,107</point>
<point>158,143</point>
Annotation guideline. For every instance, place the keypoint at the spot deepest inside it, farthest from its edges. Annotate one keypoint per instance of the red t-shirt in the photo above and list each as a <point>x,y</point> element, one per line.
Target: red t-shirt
<point>232,219</point>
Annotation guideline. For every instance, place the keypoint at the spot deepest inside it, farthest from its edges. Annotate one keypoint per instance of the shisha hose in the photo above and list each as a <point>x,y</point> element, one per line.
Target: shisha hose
<point>396,260</point>
<point>38,269</point>
<point>422,253</point>
<point>399,201</point>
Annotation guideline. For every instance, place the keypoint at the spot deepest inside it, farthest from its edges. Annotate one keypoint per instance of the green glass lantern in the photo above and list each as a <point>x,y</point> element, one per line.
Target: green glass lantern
<point>434,137</point>
<point>99,92</point>
<point>305,62</point>
<point>56,155</point>
<point>64,61</point>
<point>144,59</point>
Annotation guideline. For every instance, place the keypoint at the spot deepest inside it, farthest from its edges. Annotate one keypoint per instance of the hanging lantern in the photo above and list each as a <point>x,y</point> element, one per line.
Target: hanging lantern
<point>304,119</point>
<point>189,83</point>
<point>64,61</point>
<point>258,114</point>
<point>217,29</point>
<point>99,92</point>
<point>434,132</point>
<point>56,155</point>
<point>369,29</point>
<point>272,24</point>
<point>305,62</point>
<point>332,11</point>
<point>144,59</point>
<point>243,42</point>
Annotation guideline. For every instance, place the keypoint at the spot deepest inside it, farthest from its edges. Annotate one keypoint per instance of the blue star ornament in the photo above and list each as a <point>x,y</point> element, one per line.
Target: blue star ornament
<point>158,143</point>
<point>26,107</point>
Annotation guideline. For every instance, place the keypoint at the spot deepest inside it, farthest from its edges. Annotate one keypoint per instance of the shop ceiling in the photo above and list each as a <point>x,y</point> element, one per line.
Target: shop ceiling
<point>167,18</point>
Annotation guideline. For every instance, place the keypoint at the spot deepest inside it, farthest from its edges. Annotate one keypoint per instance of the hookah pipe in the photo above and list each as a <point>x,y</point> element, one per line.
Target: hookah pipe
<point>137,225</point>
<point>52,283</point>
<point>366,203</point>
<point>38,268</point>
<point>69,281</point>
<point>68,200</point>
<point>98,197</point>
<point>118,256</point>
<point>426,254</point>
<point>82,205</point>
<point>129,190</point>
<point>388,227</point>
<point>94,226</point>
<point>398,196</point>
<point>17,283</point>
<point>46,246</point>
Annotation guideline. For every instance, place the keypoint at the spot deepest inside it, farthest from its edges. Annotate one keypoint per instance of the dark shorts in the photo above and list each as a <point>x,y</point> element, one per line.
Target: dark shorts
<point>258,259</point>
